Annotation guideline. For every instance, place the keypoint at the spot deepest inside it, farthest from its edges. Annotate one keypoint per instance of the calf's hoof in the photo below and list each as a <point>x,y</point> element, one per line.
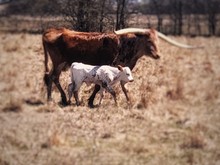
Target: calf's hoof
<point>91,105</point>
<point>63,102</point>
<point>68,102</point>
<point>78,104</point>
<point>49,99</point>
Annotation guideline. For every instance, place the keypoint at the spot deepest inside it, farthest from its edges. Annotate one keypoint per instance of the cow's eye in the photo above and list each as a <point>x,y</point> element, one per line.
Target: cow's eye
<point>152,48</point>
<point>127,74</point>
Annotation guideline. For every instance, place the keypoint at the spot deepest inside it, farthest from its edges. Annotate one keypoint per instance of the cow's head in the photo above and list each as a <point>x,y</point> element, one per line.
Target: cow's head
<point>150,44</point>
<point>125,74</point>
<point>135,43</point>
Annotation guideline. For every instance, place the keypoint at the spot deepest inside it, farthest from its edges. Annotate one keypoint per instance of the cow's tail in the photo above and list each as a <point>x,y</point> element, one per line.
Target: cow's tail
<point>46,73</point>
<point>164,37</point>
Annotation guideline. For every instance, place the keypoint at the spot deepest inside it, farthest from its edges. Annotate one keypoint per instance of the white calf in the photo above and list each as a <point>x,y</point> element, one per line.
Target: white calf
<point>105,76</point>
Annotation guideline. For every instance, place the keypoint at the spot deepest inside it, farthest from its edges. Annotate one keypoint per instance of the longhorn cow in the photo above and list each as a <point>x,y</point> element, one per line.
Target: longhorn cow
<point>122,47</point>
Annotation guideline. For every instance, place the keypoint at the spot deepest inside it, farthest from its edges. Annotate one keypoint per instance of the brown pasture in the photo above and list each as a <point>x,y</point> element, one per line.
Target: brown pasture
<point>174,116</point>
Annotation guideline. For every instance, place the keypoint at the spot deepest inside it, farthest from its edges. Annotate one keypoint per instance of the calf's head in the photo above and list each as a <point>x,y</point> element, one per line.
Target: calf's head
<point>125,74</point>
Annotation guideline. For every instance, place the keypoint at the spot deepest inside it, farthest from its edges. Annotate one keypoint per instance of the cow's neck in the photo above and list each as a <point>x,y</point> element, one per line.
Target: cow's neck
<point>133,60</point>
<point>129,52</point>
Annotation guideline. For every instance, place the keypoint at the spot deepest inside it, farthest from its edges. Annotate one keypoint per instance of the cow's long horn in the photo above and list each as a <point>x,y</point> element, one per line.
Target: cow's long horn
<point>161,35</point>
<point>130,30</point>
<point>164,37</point>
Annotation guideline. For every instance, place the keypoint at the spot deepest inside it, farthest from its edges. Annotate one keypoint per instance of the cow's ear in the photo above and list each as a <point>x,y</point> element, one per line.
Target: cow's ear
<point>152,34</point>
<point>120,68</point>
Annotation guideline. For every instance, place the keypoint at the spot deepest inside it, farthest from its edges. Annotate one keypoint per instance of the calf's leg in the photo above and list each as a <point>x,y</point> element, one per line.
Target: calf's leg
<point>92,97</point>
<point>124,90</point>
<point>75,89</point>
<point>101,96</point>
<point>76,96</point>
<point>112,92</point>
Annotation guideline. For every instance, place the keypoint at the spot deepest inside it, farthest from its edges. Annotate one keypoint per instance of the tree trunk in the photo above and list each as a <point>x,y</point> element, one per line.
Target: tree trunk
<point>120,14</point>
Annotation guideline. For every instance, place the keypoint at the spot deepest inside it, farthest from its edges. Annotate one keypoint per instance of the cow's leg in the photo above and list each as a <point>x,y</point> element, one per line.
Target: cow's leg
<point>62,93</point>
<point>55,78</point>
<point>92,97</point>
<point>48,82</point>
<point>124,90</point>
<point>70,92</point>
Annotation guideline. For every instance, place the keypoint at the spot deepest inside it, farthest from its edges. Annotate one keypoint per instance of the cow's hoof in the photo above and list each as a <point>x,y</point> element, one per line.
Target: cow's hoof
<point>91,105</point>
<point>63,103</point>
<point>49,99</point>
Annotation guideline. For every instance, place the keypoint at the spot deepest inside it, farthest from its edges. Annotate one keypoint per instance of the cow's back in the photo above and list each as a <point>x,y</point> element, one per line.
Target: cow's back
<point>88,48</point>
<point>91,48</point>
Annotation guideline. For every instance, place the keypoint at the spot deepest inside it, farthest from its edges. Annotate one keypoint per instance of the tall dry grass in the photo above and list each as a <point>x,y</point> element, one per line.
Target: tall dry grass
<point>173,117</point>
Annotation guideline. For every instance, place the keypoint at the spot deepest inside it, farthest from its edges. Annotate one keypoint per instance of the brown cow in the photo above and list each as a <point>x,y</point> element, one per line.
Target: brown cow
<point>123,47</point>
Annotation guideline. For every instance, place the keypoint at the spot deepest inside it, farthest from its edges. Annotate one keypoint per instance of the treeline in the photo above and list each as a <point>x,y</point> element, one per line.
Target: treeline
<point>86,15</point>
<point>177,17</point>
<point>185,15</point>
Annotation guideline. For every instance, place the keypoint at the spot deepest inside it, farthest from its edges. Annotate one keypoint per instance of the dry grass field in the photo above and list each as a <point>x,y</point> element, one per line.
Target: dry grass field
<point>173,118</point>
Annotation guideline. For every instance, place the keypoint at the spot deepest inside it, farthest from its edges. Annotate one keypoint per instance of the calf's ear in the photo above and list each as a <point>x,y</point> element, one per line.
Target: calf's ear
<point>120,68</point>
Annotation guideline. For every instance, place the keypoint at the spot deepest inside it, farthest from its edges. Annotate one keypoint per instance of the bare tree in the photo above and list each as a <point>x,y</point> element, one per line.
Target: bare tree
<point>121,13</point>
<point>105,17</point>
<point>87,15</point>
<point>102,15</point>
<point>176,15</point>
<point>34,7</point>
<point>179,7</point>
<point>212,9</point>
<point>77,13</point>
<point>157,6</point>
<point>196,12</point>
